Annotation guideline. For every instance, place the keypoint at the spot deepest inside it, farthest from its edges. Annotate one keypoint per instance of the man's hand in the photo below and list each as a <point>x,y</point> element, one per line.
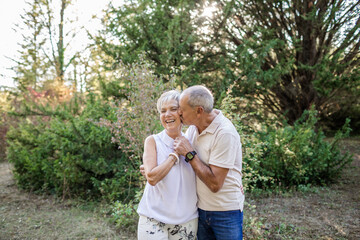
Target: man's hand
<point>182,146</point>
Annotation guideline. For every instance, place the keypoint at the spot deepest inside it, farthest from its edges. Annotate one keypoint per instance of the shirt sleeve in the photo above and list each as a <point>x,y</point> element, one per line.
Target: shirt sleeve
<point>223,152</point>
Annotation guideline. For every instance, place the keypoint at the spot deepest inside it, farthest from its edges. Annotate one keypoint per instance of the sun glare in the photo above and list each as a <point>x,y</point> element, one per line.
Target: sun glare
<point>208,11</point>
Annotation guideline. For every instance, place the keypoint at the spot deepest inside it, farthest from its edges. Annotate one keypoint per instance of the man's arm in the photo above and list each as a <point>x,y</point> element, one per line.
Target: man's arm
<point>213,176</point>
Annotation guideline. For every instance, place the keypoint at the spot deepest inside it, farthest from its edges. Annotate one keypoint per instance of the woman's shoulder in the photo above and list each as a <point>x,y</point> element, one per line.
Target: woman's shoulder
<point>150,139</point>
<point>154,137</point>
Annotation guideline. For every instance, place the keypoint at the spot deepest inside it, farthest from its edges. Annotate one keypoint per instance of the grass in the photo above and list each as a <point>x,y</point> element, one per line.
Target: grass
<point>28,216</point>
<point>330,212</point>
<point>326,213</point>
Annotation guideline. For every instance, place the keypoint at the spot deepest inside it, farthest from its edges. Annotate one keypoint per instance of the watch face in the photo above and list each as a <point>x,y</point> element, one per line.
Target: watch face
<point>189,156</point>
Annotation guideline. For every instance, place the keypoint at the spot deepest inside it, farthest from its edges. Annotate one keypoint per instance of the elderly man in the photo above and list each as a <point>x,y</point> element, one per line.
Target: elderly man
<point>214,152</point>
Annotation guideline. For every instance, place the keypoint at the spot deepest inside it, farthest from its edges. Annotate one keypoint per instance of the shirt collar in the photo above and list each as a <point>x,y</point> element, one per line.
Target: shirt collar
<point>167,140</point>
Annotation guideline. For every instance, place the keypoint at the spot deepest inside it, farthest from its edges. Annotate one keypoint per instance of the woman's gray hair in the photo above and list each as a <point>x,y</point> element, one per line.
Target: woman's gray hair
<point>200,96</point>
<point>167,96</point>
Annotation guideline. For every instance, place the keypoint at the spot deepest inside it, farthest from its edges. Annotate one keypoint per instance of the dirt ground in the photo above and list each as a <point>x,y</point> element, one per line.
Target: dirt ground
<point>317,213</point>
<point>26,215</point>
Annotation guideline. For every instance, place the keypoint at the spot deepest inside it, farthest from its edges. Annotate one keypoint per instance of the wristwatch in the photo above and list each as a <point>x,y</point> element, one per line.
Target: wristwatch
<point>190,156</point>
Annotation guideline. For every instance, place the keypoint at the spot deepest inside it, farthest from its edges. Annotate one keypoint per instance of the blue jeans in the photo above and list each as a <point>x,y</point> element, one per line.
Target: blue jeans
<point>220,225</point>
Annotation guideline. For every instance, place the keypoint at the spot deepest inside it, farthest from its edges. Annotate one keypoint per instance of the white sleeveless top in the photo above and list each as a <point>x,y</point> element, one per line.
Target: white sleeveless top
<point>173,199</point>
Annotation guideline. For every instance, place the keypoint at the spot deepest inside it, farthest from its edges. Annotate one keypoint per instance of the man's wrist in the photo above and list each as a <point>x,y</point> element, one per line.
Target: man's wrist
<point>189,156</point>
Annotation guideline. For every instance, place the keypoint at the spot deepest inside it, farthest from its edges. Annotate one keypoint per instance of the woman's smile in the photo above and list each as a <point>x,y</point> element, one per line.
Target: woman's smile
<point>170,121</point>
<point>169,116</point>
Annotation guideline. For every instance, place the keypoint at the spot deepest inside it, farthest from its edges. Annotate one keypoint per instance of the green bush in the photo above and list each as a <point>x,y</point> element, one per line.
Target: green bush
<point>287,156</point>
<point>72,156</point>
<point>300,155</point>
<point>136,116</point>
<point>124,215</point>
<point>92,150</point>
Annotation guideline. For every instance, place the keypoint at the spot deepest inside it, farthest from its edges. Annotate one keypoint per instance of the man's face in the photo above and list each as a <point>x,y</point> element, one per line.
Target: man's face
<point>187,113</point>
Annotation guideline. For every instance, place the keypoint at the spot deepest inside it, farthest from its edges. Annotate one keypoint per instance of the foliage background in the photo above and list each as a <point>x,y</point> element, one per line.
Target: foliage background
<point>286,74</point>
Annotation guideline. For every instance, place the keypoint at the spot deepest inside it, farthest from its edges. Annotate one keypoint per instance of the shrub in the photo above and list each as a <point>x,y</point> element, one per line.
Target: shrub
<point>71,156</point>
<point>289,155</point>
<point>299,155</point>
<point>124,215</point>
<point>90,151</point>
<point>136,115</point>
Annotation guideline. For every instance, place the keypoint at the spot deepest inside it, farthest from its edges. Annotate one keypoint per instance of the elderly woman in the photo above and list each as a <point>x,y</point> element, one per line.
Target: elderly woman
<point>168,206</point>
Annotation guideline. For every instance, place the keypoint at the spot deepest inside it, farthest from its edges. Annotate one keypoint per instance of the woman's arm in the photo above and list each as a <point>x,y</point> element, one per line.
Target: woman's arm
<point>153,172</point>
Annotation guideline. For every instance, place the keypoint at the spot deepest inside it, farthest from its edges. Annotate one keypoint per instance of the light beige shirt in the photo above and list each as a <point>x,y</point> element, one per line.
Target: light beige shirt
<point>219,144</point>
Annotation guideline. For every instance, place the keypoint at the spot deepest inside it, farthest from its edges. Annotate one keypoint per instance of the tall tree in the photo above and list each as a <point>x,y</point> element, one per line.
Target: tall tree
<point>283,55</point>
<point>31,64</point>
<point>291,54</point>
<point>44,57</point>
<point>57,38</point>
<point>168,32</point>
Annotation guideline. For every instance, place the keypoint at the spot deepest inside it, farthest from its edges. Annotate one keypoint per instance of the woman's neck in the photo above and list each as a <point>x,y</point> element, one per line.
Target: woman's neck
<point>173,135</point>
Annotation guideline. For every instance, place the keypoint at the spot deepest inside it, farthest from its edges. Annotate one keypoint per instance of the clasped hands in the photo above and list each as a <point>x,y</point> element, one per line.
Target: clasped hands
<point>182,146</point>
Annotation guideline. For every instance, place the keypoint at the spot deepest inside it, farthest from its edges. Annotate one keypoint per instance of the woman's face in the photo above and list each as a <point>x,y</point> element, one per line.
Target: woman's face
<point>169,116</point>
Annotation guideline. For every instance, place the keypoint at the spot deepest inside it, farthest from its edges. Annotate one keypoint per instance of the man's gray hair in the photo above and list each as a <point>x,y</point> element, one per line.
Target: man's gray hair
<point>167,96</point>
<point>200,96</point>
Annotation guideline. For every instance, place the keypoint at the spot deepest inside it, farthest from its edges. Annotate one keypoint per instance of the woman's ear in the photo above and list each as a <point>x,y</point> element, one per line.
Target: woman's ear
<point>199,110</point>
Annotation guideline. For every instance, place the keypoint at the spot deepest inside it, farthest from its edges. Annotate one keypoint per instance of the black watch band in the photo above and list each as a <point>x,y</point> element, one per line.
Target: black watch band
<point>190,156</point>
